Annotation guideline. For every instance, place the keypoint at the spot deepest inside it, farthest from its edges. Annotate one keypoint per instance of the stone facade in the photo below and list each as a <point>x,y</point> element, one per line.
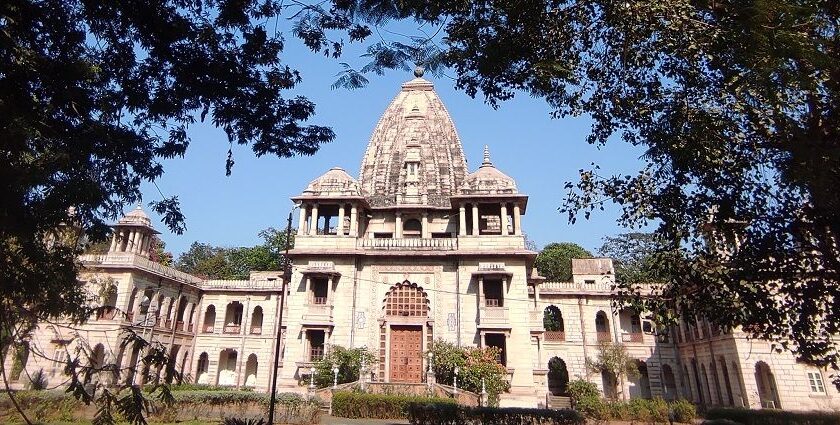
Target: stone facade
<point>417,249</point>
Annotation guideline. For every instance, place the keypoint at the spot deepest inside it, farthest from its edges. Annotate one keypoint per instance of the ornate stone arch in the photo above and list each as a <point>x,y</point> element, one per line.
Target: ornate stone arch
<point>406,299</point>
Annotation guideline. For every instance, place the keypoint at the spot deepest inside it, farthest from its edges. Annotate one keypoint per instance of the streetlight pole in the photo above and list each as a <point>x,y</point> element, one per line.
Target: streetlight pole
<point>287,276</point>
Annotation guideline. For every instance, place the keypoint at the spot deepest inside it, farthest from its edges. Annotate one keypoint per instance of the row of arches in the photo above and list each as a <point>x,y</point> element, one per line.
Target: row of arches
<point>167,311</point>
<point>227,369</point>
<point>233,319</point>
<point>555,327</point>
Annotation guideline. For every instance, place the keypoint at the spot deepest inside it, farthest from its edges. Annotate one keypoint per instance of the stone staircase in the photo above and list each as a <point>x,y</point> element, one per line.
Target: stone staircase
<point>557,402</point>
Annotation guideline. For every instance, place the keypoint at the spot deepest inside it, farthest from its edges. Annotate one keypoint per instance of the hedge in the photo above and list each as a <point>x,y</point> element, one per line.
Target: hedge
<point>774,417</point>
<point>348,404</point>
<point>450,414</point>
<point>655,410</point>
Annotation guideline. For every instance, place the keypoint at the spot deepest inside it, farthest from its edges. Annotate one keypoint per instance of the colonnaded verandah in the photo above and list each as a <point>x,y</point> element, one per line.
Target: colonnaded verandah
<point>418,248</point>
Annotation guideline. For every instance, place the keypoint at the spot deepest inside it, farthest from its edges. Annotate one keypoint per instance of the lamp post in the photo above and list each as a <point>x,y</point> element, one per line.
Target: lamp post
<point>455,379</point>
<point>335,376</point>
<point>483,394</point>
<point>311,378</point>
<point>429,374</point>
<point>287,277</point>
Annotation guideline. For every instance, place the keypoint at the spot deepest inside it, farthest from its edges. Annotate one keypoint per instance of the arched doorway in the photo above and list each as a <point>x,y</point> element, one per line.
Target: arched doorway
<point>697,383</point>
<point>610,384</point>
<point>251,371</point>
<point>640,385</point>
<point>407,304</point>
<point>670,383</point>
<point>766,383</point>
<point>558,377</point>
<point>201,376</point>
<point>726,381</point>
<point>227,367</point>
<point>233,317</point>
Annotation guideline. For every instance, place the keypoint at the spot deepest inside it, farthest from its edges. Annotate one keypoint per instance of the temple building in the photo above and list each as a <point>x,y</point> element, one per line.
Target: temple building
<point>420,247</point>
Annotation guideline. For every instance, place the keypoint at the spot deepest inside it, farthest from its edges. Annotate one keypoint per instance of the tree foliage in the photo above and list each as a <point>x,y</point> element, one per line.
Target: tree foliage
<point>614,360</point>
<point>474,364</point>
<point>349,361</point>
<point>634,257</point>
<point>214,262</point>
<point>554,262</point>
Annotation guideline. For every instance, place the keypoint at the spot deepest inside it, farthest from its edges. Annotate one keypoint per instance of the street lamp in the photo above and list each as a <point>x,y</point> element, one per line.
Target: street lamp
<point>311,378</point>
<point>455,380</point>
<point>483,393</point>
<point>287,277</point>
<point>335,376</point>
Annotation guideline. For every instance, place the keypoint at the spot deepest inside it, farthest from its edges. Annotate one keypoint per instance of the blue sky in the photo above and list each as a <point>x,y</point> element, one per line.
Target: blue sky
<point>539,152</point>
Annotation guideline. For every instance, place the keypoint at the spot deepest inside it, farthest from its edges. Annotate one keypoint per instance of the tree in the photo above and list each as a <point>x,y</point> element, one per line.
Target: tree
<point>214,262</point>
<point>158,253</point>
<point>349,361</point>
<point>474,363</point>
<point>614,360</point>
<point>554,262</point>
<point>634,257</point>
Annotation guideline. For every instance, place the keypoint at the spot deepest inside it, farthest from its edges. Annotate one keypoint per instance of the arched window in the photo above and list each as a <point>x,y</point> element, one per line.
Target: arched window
<point>602,327</point>
<point>766,383</point>
<point>406,299</point>
<point>412,228</point>
<point>558,377</point>
<point>257,321</point>
<point>726,382</point>
<point>251,371</point>
<point>210,319</point>
<point>201,372</point>
<point>706,387</point>
<point>129,310</point>
<point>555,329</point>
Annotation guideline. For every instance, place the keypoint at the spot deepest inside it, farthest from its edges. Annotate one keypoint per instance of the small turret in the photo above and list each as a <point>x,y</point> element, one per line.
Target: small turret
<point>133,234</point>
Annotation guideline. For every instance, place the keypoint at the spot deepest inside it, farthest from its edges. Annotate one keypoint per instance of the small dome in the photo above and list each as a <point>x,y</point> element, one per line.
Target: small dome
<point>137,217</point>
<point>333,183</point>
<point>488,180</point>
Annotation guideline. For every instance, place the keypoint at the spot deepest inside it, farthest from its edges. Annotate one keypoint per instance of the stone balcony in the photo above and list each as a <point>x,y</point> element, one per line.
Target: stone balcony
<point>318,314</point>
<point>633,337</point>
<point>409,244</point>
<point>493,317</point>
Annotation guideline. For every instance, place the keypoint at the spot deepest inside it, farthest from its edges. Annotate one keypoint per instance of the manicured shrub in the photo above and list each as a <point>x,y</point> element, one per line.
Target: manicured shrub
<point>683,410</point>
<point>580,389</point>
<point>774,417</point>
<point>348,404</point>
<point>451,414</point>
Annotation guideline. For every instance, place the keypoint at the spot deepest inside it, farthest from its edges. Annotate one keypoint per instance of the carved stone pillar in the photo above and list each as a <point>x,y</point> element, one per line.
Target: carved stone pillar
<point>114,238</point>
<point>339,227</point>
<point>354,221</point>
<point>504,219</point>
<point>302,220</point>
<point>517,220</point>
<point>475,219</point>
<point>398,225</point>
<point>481,302</point>
<point>425,226</point>
<point>462,220</point>
<point>313,220</point>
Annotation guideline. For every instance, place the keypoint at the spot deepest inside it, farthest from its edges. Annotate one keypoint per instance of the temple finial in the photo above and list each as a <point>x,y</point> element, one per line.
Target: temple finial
<point>486,162</point>
<point>418,71</point>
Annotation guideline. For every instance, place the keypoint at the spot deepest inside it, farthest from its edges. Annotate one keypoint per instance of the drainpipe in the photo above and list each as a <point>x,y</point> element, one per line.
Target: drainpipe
<point>353,309</point>
<point>458,300</point>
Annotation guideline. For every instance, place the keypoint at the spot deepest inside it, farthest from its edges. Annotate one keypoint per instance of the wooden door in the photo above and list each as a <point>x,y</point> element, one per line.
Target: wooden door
<point>406,354</point>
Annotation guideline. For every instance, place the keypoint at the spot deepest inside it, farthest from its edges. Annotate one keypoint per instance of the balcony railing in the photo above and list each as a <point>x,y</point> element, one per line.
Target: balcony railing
<point>492,302</point>
<point>416,244</point>
<point>168,324</point>
<point>316,354</point>
<point>208,329</point>
<point>232,329</point>
<point>179,325</point>
<point>256,330</point>
<point>633,337</point>
<point>129,317</point>
<point>555,336</point>
<point>317,313</point>
<point>493,317</point>
<point>319,300</point>
<point>604,337</point>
